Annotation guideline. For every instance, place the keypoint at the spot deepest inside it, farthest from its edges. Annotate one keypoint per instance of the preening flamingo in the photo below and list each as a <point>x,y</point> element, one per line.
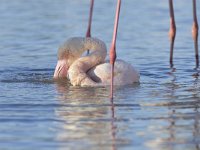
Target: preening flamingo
<point>93,70</point>
<point>172,31</point>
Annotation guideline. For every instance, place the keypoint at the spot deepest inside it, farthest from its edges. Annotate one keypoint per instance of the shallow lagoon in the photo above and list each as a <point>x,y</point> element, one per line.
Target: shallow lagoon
<point>162,112</point>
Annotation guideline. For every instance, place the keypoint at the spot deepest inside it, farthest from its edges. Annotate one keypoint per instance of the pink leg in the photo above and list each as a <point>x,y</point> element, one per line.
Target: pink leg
<point>113,54</point>
<point>172,31</point>
<point>195,29</point>
<point>88,33</point>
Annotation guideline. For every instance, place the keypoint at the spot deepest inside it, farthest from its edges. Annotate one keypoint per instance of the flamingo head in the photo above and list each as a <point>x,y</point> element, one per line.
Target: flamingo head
<point>61,69</point>
<point>65,59</point>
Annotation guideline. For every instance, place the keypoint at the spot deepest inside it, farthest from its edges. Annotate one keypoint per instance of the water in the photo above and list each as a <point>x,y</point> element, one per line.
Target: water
<point>162,112</point>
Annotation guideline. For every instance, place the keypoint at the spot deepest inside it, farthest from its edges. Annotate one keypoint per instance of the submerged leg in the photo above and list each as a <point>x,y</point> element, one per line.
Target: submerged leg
<point>195,29</point>
<point>172,31</point>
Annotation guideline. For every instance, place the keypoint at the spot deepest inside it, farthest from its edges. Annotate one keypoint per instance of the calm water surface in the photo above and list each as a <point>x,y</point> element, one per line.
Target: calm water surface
<point>162,112</point>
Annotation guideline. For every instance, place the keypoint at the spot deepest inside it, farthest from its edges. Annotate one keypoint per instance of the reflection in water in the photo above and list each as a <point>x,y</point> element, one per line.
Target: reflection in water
<point>183,128</point>
<point>196,133</point>
<point>85,115</point>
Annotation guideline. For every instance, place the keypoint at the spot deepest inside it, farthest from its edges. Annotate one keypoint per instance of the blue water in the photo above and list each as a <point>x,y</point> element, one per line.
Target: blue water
<point>162,112</point>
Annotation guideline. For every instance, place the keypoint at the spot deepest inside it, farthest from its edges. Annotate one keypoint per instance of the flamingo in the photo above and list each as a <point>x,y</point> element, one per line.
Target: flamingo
<point>172,31</point>
<point>93,70</point>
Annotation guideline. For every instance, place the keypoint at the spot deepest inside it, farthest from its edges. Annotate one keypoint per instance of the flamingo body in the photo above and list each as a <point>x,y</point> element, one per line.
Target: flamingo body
<point>124,73</point>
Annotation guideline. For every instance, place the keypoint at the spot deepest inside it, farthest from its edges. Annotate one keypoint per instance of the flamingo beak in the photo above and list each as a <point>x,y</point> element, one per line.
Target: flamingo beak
<point>61,69</point>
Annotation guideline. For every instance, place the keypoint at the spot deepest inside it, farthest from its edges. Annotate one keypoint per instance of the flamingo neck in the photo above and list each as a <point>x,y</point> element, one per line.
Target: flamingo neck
<point>77,71</point>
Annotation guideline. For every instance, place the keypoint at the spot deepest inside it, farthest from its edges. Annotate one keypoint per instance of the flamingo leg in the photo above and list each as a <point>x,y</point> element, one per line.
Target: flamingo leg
<point>88,33</point>
<point>113,54</point>
<point>195,29</point>
<point>172,31</point>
